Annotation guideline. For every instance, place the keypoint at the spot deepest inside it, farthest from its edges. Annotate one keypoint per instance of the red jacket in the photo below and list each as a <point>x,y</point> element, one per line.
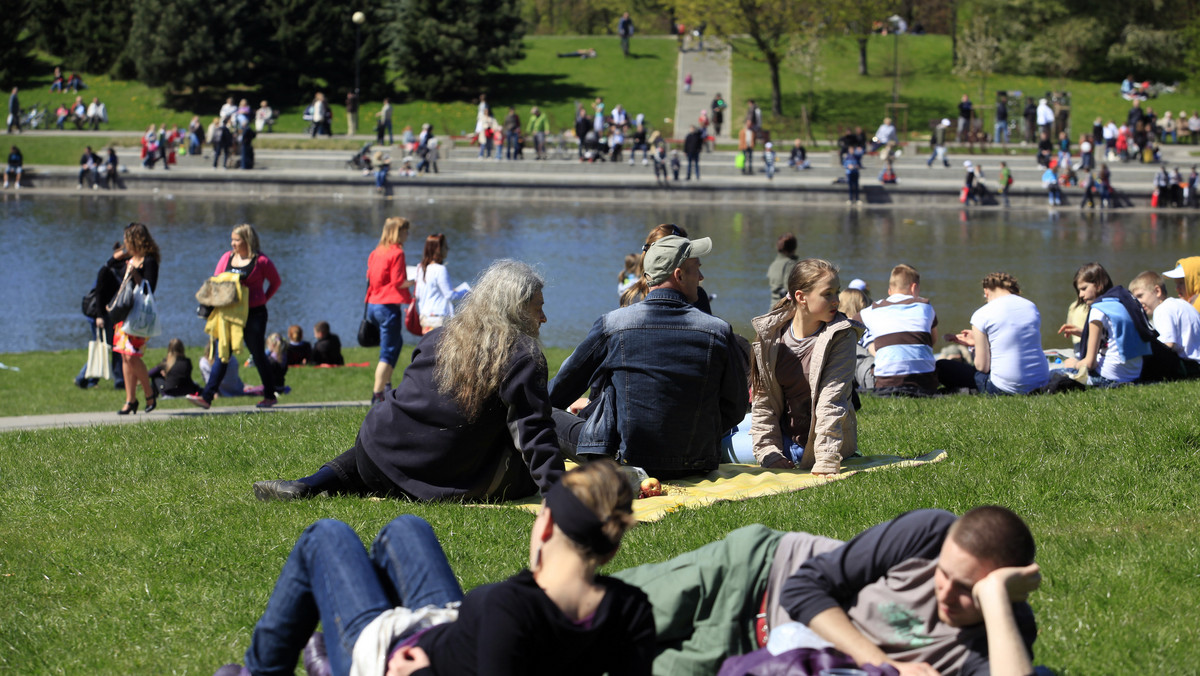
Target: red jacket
<point>386,275</point>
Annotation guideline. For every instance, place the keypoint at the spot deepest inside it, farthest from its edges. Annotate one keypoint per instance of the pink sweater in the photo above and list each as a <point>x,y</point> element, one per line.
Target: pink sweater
<point>264,271</point>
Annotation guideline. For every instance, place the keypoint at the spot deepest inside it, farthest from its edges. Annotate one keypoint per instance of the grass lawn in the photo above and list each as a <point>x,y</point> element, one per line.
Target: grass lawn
<point>45,382</point>
<point>845,98</point>
<point>644,83</point>
<point>140,549</point>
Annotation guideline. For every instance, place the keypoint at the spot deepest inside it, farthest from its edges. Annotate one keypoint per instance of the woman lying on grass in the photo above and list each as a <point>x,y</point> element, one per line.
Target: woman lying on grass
<point>471,419</point>
<point>803,375</point>
<point>397,610</point>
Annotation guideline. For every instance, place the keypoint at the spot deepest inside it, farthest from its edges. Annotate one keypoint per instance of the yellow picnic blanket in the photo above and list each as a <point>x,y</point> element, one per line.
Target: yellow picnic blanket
<point>739,482</point>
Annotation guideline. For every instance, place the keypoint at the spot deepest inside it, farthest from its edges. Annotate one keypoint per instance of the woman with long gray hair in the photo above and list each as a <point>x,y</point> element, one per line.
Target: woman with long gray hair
<point>471,418</point>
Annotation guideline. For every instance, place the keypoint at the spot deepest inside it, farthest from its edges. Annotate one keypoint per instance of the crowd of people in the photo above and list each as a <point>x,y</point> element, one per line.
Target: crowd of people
<point>657,384</point>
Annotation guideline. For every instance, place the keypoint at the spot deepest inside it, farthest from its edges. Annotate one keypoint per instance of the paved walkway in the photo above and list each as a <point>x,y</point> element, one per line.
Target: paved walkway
<point>712,74</point>
<point>37,422</point>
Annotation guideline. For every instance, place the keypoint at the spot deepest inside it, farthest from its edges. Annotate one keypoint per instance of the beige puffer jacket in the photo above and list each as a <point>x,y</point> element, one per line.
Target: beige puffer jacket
<point>833,432</point>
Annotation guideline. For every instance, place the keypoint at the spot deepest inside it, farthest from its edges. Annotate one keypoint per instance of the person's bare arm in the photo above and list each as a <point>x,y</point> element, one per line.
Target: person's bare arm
<point>995,594</point>
<point>833,625</point>
<point>1093,349</point>
<point>983,351</point>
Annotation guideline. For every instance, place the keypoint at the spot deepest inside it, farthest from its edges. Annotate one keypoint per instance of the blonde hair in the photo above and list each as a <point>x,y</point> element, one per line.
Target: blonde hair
<point>249,236</point>
<point>903,277</point>
<point>852,301</point>
<point>392,228</point>
<point>175,350</point>
<point>478,342</point>
<point>602,488</point>
<point>1149,281</point>
<point>275,347</point>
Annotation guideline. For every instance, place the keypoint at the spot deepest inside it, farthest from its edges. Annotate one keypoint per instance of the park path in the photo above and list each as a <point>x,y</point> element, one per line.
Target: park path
<point>36,422</point>
<point>712,74</point>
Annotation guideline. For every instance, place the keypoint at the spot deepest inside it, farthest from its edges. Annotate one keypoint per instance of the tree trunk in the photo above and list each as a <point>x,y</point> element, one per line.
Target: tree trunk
<point>776,95</point>
<point>862,56</point>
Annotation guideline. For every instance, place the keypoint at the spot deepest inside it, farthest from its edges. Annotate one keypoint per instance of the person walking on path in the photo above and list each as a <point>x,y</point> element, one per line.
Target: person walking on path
<point>625,30</point>
<point>539,126</point>
<point>385,121</point>
<point>746,145</point>
<point>14,112</point>
<point>718,113</point>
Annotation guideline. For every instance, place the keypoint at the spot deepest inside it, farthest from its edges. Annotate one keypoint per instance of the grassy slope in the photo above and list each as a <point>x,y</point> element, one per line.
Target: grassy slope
<point>44,385</point>
<point>645,84</point>
<point>141,549</point>
<point>927,85</point>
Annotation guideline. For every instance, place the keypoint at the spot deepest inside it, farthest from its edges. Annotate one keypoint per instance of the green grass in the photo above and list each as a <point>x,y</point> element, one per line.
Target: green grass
<point>137,549</point>
<point>45,383</point>
<point>927,84</point>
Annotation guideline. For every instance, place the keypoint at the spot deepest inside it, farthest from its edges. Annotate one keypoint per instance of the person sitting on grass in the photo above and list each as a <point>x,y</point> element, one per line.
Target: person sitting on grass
<point>471,418</point>
<point>927,593</point>
<point>1177,323</point>
<point>1116,335</point>
<point>400,610</point>
<point>277,356</point>
<point>803,375</point>
<point>1187,280</point>
<point>299,350</point>
<point>231,384</point>
<point>328,348</point>
<point>173,377</point>
<point>901,328</point>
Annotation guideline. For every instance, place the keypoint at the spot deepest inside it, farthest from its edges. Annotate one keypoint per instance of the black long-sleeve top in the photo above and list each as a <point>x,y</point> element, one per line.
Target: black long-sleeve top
<point>512,627</point>
<point>421,441</point>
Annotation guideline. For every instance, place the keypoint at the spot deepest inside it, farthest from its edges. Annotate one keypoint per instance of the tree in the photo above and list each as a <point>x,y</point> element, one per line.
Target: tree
<point>84,34</point>
<point>443,48</point>
<point>858,18</point>
<point>196,44</point>
<point>311,48</point>
<point>979,51</point>
<point>770,24</point>
<point>15,45</point>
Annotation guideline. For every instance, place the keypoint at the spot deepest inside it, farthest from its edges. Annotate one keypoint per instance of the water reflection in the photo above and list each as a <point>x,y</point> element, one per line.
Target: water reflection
<point>53,246</point>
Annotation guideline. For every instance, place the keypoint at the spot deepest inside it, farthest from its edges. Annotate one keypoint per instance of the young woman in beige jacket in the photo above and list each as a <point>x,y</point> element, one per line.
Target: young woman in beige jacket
<point>803,375</point>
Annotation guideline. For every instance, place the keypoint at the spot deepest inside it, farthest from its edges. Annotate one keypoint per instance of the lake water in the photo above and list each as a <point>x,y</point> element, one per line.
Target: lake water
<point>52,246</point>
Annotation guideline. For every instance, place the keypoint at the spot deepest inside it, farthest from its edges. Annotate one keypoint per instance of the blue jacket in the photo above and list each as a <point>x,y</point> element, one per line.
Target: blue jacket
<point>667,383</point>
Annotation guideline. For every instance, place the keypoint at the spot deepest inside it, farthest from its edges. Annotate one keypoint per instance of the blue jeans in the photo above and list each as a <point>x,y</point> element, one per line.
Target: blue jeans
<point>330,577</point>
<point>510,150</point>
<point>390,320</point>
<point>1000,132</point>
<point>255,336</point>
<point>852,184</point>
<point>693,162</point>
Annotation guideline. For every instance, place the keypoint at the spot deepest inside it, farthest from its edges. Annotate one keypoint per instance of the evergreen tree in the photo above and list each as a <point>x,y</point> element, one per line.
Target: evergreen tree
<point>15,47</point>
<point>443,48</point>
<point>311,47</point>
<point>193,44</point>
<point>84,34</point>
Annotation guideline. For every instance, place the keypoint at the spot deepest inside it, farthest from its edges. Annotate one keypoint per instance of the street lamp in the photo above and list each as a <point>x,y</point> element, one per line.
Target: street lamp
<point>359,19</point>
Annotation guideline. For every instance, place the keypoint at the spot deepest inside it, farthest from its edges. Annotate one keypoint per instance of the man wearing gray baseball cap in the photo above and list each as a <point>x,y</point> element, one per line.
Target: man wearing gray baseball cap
<point>666,380</point>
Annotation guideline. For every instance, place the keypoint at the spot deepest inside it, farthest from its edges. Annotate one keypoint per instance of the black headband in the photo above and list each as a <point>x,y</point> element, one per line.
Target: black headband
<point>577,520</point>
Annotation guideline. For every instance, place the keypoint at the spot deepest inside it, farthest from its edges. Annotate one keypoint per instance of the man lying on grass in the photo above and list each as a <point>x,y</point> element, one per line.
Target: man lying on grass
<point>927,593</point>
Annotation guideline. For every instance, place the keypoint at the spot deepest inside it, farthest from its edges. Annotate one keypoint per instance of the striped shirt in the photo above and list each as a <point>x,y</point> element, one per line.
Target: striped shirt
<point>901,327</point>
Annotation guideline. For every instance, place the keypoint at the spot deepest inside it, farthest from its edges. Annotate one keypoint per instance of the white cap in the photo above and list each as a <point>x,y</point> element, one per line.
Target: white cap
<point>857,284</point>
<point>967,164</point>
<point>1177,273</point>
<point>945,122</point>
<point>769,145</point>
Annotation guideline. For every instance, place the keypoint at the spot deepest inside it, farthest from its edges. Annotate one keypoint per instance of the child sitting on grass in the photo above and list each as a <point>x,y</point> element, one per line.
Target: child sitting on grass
<point>1116,335</point>
<point>328,348</point>
<point>298,350</point>
<point>278,358</point>
<point>1177,322</point>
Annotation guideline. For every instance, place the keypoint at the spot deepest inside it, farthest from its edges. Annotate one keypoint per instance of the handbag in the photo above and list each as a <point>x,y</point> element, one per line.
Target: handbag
<point>121,304</point>
<point>217,294</point>
<point>91,305</point>
<point>143,318</point>
<point>368,331</point>
<point>99,360</point>
<point>412,320</point>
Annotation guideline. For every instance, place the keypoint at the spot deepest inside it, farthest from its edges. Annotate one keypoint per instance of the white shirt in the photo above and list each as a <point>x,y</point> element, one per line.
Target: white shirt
<point>1110,131</point>
<point>434,291</point>
<point>227,110</point>
<point>1045,115</point>
<point>885,133</point>
<point>1108,360</point>
<point>1178,322</point>
<point>1013,328</point>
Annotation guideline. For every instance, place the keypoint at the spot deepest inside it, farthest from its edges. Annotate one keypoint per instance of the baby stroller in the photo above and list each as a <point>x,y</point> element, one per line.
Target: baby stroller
<point>360,160</point>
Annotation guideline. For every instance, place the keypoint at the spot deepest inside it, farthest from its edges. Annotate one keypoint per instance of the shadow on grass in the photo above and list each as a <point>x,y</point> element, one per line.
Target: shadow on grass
<point>543,88</point>
<point>833,113</point>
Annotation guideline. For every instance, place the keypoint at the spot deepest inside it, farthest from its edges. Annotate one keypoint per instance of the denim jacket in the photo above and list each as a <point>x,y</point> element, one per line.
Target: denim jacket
<point>667,383</point>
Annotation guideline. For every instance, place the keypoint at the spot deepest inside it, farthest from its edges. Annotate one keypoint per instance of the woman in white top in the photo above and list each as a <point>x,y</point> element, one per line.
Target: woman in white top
<point>433,284</point>
<point>1006,335</point>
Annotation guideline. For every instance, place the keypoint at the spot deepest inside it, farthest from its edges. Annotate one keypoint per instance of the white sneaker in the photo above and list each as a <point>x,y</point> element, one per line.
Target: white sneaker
<point>6,185</point>
<point>645,162</point>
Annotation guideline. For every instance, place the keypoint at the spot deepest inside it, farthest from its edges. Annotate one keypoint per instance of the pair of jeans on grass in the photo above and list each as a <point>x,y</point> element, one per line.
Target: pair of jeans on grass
<point>254,335</point>
<point>329,577</point>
